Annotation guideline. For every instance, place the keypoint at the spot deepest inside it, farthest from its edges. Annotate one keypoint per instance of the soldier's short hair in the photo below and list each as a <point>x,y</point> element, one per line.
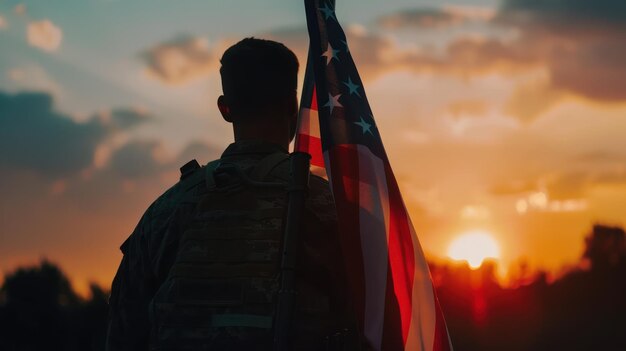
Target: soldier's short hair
<point>257,73</point>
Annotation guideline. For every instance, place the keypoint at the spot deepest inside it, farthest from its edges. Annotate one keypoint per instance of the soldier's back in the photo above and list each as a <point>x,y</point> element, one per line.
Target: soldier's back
<point>222,251</point>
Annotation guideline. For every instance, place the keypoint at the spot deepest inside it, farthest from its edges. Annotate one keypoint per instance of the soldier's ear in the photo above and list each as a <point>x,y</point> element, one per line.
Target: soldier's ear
<point>224,108</point>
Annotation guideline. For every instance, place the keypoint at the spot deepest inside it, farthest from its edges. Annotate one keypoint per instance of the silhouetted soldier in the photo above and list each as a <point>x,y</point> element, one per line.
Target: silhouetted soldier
<point>201,269</point>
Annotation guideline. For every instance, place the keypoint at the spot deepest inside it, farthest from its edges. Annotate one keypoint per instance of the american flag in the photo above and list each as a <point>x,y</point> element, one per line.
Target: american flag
<point>389,278</point>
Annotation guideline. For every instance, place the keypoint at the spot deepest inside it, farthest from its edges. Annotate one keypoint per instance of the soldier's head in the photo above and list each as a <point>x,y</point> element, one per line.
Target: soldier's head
<point>259,84</point>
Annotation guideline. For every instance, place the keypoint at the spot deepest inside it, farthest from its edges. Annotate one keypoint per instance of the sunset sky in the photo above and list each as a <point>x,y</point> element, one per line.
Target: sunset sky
<point>506,117</point>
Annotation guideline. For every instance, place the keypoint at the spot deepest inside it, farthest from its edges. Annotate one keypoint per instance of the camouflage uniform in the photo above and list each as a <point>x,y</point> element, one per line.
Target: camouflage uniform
<point>150,250</point>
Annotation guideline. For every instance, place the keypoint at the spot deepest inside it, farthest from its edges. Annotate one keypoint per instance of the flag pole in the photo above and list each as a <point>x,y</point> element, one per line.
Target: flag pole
<point>299,163</point>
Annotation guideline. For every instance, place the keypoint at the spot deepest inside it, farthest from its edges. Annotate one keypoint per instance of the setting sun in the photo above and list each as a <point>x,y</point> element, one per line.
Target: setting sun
<point>474,247</point>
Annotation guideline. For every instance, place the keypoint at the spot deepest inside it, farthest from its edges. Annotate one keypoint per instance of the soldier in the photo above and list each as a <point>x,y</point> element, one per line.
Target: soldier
<point>200,270</point>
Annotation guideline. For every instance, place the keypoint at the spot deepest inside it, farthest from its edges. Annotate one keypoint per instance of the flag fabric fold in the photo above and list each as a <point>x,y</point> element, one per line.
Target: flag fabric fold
<point>388,275</point>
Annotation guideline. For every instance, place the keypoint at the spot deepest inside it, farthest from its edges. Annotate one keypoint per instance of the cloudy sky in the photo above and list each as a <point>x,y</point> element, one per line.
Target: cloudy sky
<point>505,116</point>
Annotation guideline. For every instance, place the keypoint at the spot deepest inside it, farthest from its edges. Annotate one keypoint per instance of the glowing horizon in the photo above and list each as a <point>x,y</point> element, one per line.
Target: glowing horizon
<point>474,247</point>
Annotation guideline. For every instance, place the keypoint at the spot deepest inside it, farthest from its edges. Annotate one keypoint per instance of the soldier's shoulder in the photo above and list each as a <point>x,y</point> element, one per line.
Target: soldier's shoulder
<point>182,191</point>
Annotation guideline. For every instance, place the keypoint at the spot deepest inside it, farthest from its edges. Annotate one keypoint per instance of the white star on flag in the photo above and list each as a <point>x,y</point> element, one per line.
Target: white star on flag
<point>367,128</point>
<point>328,12</point>
<point>352,87</point>
<point>333,101</point>
<point>330,54</point>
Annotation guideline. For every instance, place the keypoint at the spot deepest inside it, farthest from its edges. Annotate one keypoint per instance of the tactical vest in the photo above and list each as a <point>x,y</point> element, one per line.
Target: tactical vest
<point>220,293</point>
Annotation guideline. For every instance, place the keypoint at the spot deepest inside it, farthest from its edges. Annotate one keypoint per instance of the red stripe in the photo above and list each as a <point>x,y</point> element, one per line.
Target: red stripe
<point>398,311</point>
<point>313,146</point>
<point>349,165</point>
<point>344,163</point>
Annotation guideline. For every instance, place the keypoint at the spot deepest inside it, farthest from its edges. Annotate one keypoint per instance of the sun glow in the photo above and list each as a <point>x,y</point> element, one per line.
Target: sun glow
<point>474,247</point>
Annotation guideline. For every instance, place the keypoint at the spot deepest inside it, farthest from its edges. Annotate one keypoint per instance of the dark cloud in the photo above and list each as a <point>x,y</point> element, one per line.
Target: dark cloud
<point>531,100</point>
<point>594,69</point>
<point>420,18</point>
<point>147,158</point>
<point>181,60</point>
<point>434,17</point>
<point>33,136</point>
<point>565,17</point>
<point>468,57</point>
<point>125,118</point>
<point>138,159</point>
<point>581,42</point>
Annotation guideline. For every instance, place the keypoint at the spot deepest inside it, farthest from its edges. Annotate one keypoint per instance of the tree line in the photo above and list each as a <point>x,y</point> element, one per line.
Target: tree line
<point>584,309</point>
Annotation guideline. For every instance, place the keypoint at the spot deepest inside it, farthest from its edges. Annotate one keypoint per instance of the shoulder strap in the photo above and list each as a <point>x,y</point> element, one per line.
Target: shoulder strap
<point>208,173</point>
<point>188,168</point>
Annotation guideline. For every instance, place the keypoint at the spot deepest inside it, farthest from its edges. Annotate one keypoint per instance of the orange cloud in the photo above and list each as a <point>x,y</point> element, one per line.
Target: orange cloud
<point>20,9</point>
<point>565,191</point>
<point>181,60</point>
<point>532,99</point>
<point>540,201</point>
<point>44,35</point>
<point>475,108</point>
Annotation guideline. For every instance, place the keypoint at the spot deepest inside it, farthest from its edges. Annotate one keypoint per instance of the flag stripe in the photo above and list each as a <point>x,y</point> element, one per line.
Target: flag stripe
<point>422,331</point>
<point>310,144</point>
<point>309,119</point>
<point>346,193</point>
<point>401,254</point>
<point>441,338</point>
<point>374,216</point>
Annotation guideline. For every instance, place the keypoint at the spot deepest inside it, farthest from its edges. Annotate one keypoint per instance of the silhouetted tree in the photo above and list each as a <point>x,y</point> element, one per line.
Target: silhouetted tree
<point>41,311</point>
<point>605,247</point>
